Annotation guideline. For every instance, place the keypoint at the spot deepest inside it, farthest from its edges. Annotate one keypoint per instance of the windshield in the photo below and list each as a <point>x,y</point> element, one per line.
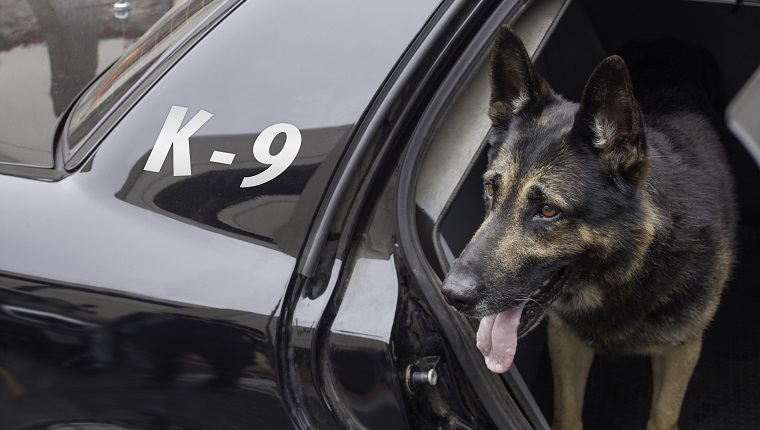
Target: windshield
<point>142,56</point>
<point>49,52</point>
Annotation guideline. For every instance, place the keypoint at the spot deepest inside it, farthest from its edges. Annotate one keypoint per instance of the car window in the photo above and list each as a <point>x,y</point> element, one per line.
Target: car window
<point>449,206</point>
<point>141,57</point>
<point>49,52</point>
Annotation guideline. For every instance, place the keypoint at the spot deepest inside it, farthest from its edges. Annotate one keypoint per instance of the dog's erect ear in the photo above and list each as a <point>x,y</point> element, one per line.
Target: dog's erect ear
<point>610,119</point>
<point>515,85</point>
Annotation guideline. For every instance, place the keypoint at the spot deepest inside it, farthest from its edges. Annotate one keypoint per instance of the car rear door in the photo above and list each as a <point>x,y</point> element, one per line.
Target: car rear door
<point>143,290</point>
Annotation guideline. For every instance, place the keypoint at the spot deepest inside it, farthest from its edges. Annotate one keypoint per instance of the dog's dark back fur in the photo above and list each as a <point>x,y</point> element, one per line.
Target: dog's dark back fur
<point>690,257</point>
<point>647,213</point>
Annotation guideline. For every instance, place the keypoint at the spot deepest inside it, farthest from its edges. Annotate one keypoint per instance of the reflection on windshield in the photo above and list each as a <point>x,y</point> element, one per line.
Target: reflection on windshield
<point>49,51</point>
<point>143,55</point>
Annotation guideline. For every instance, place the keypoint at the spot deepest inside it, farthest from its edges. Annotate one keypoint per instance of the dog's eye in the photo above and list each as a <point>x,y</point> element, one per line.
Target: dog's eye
<point>548,211</point>
<point>488,189</point>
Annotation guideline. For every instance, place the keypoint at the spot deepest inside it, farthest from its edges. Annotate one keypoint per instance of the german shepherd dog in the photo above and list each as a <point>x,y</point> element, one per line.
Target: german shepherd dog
<point>615,217</point>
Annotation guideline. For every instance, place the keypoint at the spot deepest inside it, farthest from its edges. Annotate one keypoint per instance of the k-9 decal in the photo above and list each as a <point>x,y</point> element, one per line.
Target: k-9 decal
<point>178,139</point>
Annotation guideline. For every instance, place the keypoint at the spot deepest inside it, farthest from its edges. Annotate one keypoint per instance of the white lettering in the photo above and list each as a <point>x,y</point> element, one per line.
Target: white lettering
<point>279,162</point>
<point>171,136</point>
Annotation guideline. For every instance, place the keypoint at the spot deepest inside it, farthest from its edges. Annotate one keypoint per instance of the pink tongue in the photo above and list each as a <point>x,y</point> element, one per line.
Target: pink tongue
<point>497,338</point>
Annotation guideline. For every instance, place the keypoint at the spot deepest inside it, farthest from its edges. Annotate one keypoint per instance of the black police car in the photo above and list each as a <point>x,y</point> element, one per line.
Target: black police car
<point>244,221</point>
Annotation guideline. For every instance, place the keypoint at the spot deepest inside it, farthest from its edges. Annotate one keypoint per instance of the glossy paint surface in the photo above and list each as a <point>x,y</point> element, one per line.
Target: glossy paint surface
<point>363,367</point>
<point>73,354</point>
<point>136,299</point>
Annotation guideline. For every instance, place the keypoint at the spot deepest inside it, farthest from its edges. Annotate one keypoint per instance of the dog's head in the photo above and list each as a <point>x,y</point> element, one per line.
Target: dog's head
<point>562,196</point>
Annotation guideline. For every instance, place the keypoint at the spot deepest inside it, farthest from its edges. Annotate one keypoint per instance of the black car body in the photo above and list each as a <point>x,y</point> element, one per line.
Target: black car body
<point>145,284</point>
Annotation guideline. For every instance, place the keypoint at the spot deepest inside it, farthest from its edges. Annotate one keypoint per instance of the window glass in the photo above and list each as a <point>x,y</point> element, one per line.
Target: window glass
<point>141,57</point>
<point>49,51</point>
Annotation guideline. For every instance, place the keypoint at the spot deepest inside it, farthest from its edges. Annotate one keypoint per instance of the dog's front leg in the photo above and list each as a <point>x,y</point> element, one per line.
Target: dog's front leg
<point>571,361</point>
<point>671,371</point>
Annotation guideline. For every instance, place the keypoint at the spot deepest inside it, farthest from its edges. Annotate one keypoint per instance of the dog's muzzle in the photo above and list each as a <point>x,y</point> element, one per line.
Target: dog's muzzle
<point>460,292</point>
<point>535,307</point>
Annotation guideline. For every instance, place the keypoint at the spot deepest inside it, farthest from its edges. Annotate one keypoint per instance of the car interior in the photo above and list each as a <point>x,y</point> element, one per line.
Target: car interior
<point>566,40</point>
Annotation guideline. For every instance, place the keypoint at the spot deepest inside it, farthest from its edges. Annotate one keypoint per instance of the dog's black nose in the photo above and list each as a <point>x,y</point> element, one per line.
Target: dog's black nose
<point>461,292</point>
